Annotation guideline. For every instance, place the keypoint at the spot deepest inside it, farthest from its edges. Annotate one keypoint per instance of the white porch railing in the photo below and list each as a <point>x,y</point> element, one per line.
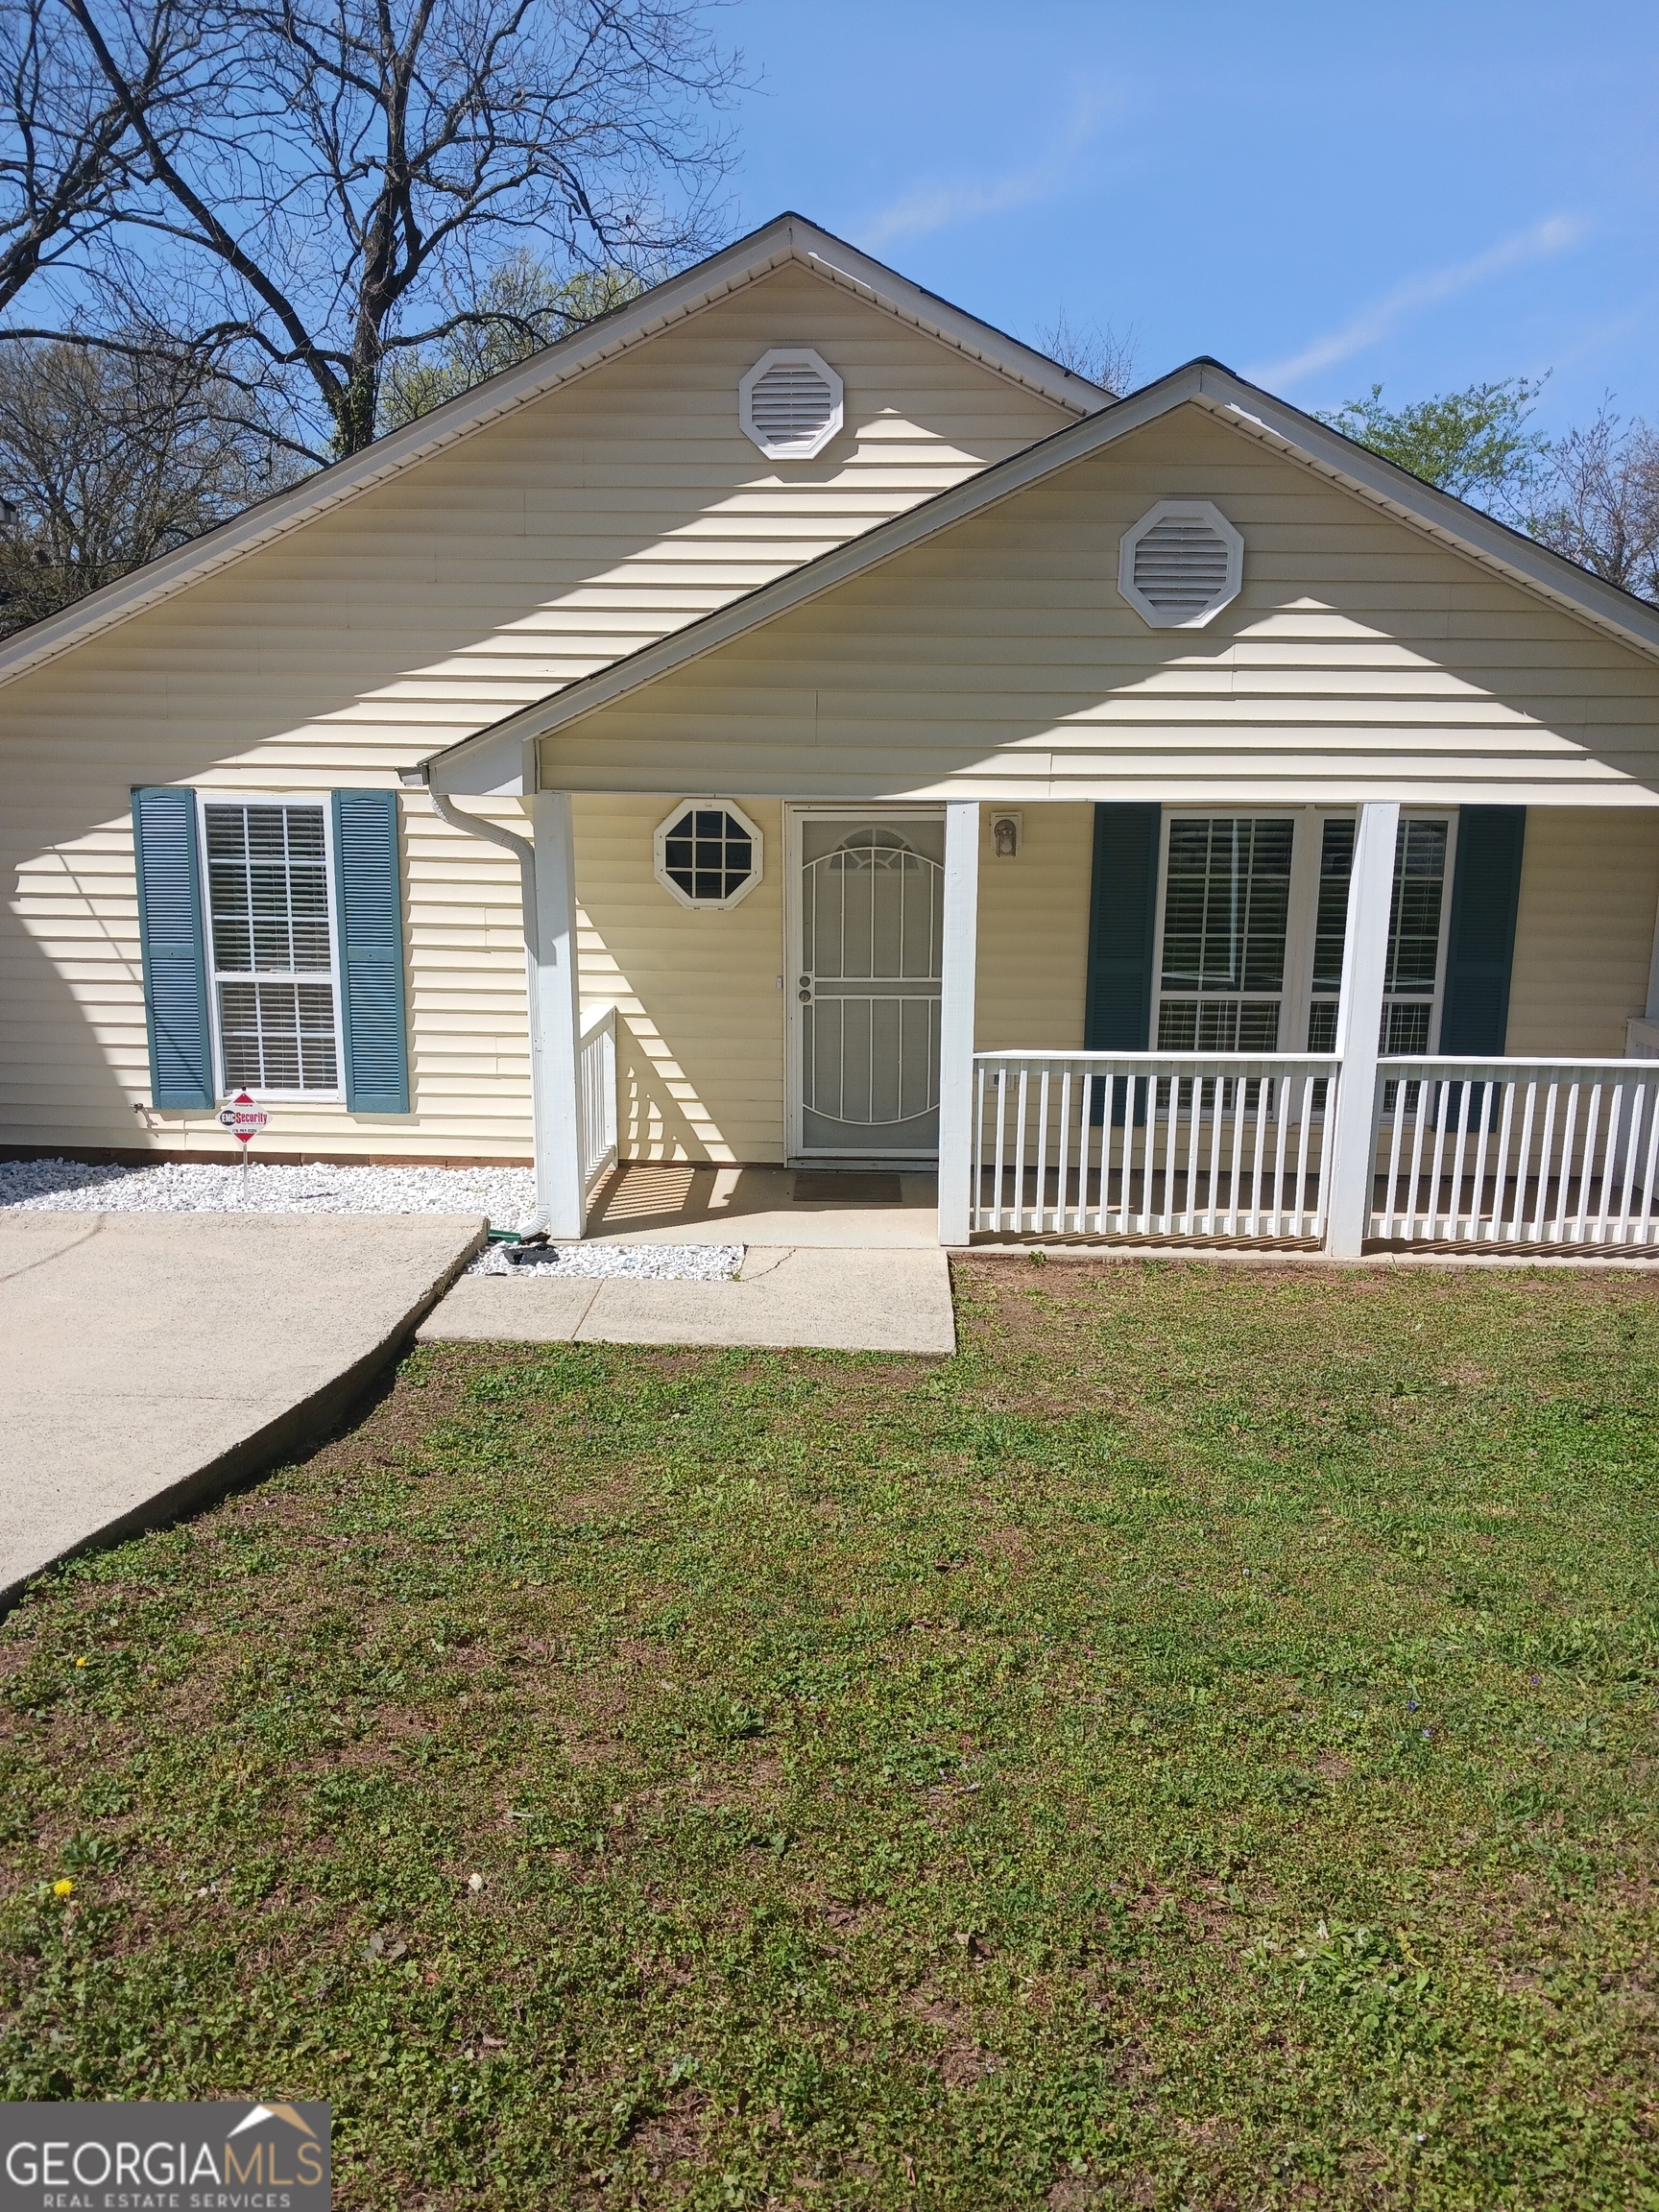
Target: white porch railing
<point>1222,1146</point>
<point>596,1094</point>
<point>1516,1153</point>
<point>1484,1155</point>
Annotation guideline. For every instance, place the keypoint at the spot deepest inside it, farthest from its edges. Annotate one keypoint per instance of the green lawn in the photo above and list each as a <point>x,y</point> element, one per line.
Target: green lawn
<point>1194,1748</point>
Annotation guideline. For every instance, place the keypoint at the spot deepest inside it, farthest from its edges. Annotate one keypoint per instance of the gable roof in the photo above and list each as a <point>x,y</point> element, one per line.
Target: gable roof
<point>501,757</point>
<point>787,238</point>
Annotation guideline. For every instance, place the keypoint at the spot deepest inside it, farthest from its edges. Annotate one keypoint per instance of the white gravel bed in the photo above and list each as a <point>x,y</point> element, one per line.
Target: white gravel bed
<point>505,1195</point>
<point>639,1262</point>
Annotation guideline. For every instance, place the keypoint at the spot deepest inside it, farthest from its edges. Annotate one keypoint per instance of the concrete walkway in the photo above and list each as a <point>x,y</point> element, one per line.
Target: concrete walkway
<point>147,1361</point>
<point>817,1297</point>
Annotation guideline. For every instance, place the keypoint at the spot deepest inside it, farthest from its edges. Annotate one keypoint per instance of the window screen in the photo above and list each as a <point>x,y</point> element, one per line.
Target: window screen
<point>1226,902</point>
<point>273,946</point>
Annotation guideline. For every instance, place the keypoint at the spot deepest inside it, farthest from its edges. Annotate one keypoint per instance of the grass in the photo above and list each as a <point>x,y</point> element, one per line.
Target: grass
<point>1194,1748</point>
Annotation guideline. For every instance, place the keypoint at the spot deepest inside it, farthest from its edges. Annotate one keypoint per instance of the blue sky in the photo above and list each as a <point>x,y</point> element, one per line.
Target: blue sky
<point>1323,197</point>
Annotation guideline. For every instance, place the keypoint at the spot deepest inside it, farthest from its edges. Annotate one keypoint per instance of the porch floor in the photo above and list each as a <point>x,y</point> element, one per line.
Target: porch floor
<point>650,1202</point>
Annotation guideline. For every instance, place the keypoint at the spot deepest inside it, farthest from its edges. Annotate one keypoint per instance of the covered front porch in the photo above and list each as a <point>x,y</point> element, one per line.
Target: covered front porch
<point>1359,1147</point>
<point>804,1209</point>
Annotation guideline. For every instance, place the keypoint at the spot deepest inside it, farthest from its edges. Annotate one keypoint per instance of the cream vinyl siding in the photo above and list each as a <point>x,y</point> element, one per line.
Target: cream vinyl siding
<point>701,1042</point>
<point>1033,947</point>
<point>1584,931</point>
<point>75,1070</point>
<point>700,1034</point>
<point>1360,660</point>
<point>533,551</point>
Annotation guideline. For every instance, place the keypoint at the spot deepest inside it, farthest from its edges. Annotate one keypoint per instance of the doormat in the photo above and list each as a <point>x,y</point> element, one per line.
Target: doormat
<point>834,1187</point>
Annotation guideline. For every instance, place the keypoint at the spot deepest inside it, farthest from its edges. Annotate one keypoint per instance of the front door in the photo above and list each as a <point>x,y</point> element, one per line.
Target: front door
<point>865,961</point>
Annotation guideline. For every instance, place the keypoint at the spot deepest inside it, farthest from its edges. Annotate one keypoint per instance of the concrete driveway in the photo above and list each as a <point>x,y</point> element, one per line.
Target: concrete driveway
<point>150,1359</point>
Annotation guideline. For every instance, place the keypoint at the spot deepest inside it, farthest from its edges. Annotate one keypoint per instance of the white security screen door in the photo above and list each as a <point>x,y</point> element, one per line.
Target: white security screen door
<point>866,960</point>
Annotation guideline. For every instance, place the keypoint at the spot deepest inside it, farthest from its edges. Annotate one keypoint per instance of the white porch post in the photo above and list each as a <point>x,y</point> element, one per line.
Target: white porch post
<point>958,967</point>
<point>1353,1135</point>
<point>555,1018</point>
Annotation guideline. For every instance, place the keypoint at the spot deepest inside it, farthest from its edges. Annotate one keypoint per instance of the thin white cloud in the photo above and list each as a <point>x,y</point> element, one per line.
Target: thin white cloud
<point>931,207</point>
<point>1554,236</point>
<point>935,207</point>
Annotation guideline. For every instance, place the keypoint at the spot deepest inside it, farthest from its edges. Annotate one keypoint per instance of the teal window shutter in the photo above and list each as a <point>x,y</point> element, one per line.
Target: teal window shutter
<point>1122,911</point>
<point>369,907</point>
<point>1481,934</point>
<point>167,862</point>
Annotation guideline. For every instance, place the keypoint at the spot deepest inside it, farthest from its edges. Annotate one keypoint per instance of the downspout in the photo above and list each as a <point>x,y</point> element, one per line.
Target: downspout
<point>521,848</point>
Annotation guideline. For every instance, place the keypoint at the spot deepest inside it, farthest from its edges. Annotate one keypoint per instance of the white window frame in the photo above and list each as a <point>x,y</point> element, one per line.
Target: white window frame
<point>1302,912</point>
<point>1206,511</point>
<point>1450,815</point>
<point>793,449</point>
<point>758,846</point>
<point>215,974</point>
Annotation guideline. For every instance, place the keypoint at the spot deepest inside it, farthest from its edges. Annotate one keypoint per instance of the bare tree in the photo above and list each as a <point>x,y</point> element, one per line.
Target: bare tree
<point>1092,350</point>
<point>1602,511</point>
<point>374,155</point>
<point>110,457</point>
<point>70,150</point>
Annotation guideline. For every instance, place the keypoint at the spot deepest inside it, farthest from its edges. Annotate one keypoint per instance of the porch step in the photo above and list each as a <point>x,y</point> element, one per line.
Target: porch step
<point>846,1187</point>
<point>839,1301</point>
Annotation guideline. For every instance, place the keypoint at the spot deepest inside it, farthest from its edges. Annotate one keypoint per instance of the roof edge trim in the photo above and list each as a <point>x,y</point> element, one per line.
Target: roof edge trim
<point>787,237</point>
<point>1472,531</point>
<point>1209,384</point>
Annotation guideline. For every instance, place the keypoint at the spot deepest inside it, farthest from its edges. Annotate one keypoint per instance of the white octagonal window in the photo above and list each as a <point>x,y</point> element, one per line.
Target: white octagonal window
<point>790,403</point>
<point>708,853</point>
<point>1181,564</point>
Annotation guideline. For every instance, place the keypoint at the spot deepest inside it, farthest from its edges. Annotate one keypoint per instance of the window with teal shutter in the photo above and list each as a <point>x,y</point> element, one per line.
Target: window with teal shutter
<point>1480,940</point>
<point>368,894</point>
<point>1122,914</point>
<point>1122,909</point>
<point>271,933</point>
<point>167,863</point>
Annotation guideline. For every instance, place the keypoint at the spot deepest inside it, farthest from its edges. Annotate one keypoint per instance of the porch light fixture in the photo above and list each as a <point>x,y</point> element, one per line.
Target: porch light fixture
<point>1006,831</point>
<point>1180,565</point>
<point>790,403</point>
<point>708,853</point>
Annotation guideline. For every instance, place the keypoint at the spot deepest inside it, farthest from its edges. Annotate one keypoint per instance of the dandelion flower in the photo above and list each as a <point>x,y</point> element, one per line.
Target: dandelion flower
<point>63,1887</point>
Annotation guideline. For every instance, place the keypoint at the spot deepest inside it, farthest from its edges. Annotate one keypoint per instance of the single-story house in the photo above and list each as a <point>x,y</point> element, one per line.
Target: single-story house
<point>791,721</point>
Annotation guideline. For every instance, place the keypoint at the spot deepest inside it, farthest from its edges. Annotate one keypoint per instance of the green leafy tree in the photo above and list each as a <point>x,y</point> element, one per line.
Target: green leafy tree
<point>521,307</point>
<point>1474,443</point>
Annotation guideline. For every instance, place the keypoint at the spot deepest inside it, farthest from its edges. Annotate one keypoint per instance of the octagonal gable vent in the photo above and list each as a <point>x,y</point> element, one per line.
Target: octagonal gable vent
<point>790,403</point>
<point>1181,564</point>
